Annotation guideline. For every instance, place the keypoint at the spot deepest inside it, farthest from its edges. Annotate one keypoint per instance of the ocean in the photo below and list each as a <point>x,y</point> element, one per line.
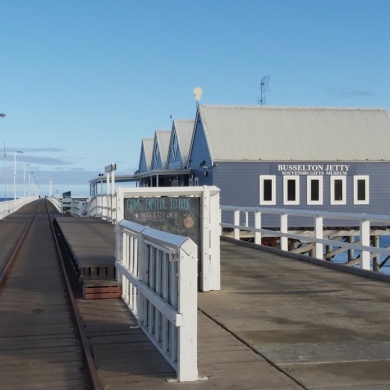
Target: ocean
<point>384,241</point>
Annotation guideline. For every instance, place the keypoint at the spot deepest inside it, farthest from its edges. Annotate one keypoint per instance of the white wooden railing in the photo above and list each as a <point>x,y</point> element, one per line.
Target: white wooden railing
<point>56,203</point>
<point>158,272</point>
<point>10,206</point>
<point>255,214</point>
<point>103,207</point>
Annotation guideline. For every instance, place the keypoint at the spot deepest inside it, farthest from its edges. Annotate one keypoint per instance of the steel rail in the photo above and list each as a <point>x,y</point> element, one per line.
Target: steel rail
<point>89,362</point>
<point>11,261</point>
<point>92,370</point>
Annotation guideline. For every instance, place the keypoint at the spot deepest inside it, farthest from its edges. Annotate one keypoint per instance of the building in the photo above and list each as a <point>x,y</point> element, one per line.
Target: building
<point>332,159</point>
<point>328,159</point>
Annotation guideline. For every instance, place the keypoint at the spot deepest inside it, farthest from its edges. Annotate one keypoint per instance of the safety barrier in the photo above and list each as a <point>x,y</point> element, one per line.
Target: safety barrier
<point>10,206</point>
<point>158,272</point>
<point>316,236</point>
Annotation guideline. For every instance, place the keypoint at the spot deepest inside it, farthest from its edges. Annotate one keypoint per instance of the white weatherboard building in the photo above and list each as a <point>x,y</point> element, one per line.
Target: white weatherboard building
<point>328,159</point>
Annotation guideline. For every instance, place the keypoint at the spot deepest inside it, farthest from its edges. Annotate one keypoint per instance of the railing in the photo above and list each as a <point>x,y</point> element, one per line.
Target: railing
<point>158,272</point>
<point>56,203</point>
<point>79,208</point>
<point>10,206</point>
<point>362,221</point>
<point>104,207</point>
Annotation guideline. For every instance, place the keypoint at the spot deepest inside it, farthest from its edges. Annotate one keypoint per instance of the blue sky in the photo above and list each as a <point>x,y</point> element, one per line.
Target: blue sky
<point>82,82</point>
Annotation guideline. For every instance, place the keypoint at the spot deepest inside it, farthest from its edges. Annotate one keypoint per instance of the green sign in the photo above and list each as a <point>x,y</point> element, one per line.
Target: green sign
<point>176,215</point>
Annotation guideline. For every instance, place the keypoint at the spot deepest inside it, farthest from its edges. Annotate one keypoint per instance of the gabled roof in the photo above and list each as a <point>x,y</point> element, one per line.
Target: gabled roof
<point>147,152</point>
<point>162,138</point>
<point>184,130</point>
<point>253,133</point>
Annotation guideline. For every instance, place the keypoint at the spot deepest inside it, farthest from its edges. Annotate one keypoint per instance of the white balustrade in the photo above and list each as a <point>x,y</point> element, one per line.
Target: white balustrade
<point>10,206</point>
<point>158,272</point>
<point>363,222</point>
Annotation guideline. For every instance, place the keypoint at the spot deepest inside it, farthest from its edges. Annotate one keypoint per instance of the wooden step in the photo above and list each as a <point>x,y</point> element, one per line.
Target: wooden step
<point>101,289</point>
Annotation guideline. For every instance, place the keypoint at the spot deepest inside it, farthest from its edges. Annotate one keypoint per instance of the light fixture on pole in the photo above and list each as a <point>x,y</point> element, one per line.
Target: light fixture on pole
<point>29,183</point>
<point>16,151</point>
<point>24,179</point>
<point>2,115</point>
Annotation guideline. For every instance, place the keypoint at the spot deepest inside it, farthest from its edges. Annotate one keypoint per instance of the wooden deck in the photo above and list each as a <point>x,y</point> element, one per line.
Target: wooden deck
<point>125,357</point>
<point>39,348</point>
<point>325,328</point>
<point>278,323</point>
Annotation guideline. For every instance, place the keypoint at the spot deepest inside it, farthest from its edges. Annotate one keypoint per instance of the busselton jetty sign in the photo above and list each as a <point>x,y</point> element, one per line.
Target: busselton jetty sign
<point>313,169</point>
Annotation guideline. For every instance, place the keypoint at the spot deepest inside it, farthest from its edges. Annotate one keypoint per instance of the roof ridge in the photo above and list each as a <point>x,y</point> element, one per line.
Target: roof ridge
<point>293,108</point>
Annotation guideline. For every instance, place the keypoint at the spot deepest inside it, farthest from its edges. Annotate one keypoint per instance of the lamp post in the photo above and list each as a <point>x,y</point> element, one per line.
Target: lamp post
<point>2,115</point>
<point>16,152</point>
<point>24,179</point>
<point>29,183</point>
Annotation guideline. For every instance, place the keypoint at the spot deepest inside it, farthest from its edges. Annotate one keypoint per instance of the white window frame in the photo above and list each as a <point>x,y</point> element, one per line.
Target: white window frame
<point>320,190</point>
<point>286,179</point>
<point>356,178</point>
<point>344,190</point>
<point>271,202</point>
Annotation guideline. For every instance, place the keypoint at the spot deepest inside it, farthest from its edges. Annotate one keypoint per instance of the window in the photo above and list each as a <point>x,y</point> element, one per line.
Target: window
<point>290,189</point>
<point>196,181</point>
<point>361,188</point>
<point>267,190</point>
<point>338,190</point>
<point>314,190</point>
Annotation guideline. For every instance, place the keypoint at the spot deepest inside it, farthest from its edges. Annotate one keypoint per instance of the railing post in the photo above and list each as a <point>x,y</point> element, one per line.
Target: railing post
<point>187,306</point>
<point>237,223</point>
<point>211,268</point>
<point>365,240</point>
<point>142,269</point>
<point>284,229</point>
<point>258,226</point>
<point>319,233</point>
<point>376,258</point>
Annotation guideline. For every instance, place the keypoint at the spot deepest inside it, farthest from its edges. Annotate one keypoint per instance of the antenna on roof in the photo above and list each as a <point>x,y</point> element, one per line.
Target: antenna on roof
<point>197,94</point>
<point>264,87</point>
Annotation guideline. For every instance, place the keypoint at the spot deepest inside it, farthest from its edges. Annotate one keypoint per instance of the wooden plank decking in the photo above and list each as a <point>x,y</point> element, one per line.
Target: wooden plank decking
<point>325,328</point>
<point>125,358</point>
<point>277,323</point>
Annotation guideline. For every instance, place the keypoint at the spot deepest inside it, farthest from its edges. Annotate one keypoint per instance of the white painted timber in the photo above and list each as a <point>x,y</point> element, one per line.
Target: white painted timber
<point>158,272</point>
<point>316,237</point>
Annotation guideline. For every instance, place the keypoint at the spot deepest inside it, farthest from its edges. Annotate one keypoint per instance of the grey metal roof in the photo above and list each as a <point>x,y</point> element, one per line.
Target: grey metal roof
<point>147,147</point>
<point>253,133</point>
<point>162,137</point>
<point>184,130</point>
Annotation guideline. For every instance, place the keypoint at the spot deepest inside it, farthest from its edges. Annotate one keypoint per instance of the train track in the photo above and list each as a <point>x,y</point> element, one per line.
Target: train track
<point>42,340</point>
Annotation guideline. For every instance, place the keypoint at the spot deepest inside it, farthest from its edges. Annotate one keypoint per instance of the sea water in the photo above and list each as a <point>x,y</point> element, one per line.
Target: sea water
<point>384,241</point>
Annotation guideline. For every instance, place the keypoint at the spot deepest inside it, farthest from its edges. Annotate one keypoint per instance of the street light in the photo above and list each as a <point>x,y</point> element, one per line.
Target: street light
<point>24,179</point>
<point>17,151</point>
<point>2,115</point>
<point>29,183</point>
